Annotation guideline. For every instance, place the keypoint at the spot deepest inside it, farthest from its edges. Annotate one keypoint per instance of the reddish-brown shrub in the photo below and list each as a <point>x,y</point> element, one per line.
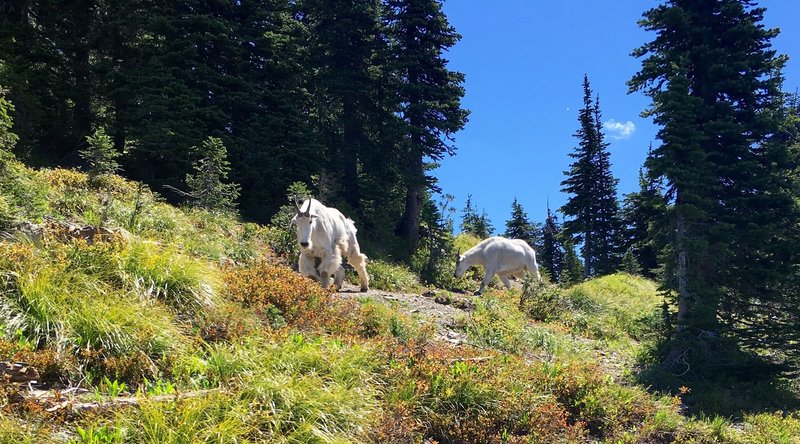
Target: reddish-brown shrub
<point>277,293</point>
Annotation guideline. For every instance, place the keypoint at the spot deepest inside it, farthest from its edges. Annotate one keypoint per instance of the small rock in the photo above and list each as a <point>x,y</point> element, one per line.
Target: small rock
<point>429,294</point>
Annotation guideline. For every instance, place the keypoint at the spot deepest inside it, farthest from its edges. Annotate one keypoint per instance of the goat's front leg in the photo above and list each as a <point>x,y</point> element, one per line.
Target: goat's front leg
<point>306,266</point>
<point>338,280</point>
<point>486,280</point>
<point>329,266</point>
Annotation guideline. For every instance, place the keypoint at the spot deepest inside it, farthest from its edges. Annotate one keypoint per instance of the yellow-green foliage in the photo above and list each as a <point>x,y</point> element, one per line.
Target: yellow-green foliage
<point>287,390</point>
<point>17,431</point>
<point>496,322</point>
<point>613,307</point>
<point>22,195</point>
<point>465,241</point>
<point>181,281</point>
<point>389,277</point>
<point>73,298</point>
<point>375,319</point>
<point>480,396</point>
<point>134,207</point>
<point>769,428</point>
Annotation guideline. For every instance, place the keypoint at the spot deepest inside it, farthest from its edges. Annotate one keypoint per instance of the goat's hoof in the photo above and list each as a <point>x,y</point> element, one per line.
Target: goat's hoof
<point>364,289</point>
<point>477,293</point>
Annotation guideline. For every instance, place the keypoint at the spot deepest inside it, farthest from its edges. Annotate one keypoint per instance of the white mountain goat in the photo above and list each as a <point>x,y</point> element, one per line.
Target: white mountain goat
<point>501,256</point>
<point>325,234</point>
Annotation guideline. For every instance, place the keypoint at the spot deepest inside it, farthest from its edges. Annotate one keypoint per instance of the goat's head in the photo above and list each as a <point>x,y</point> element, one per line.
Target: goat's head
<point>303,222</point>
<point>460,270</point>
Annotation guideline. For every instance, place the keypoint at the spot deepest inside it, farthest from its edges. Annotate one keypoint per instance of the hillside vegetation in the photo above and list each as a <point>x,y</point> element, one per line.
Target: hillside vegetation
<point>188,317</point>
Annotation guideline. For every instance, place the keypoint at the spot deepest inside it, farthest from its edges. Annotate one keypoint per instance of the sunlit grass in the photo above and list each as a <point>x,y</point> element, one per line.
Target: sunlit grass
<point>184,283</point>
<point>296,390</point>
<point>389,277</point>
<point>17,431</point>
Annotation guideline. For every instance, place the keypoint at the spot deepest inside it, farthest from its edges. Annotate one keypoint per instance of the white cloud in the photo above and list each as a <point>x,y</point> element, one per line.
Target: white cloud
<point>619,130</point>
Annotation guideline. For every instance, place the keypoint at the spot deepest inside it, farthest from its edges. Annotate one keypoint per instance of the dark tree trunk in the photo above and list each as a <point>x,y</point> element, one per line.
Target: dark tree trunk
<point>351,138</point>
<point>408,228</point>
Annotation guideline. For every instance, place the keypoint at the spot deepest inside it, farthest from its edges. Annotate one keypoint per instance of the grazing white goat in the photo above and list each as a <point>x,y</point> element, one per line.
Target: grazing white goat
<point>501,256</point>
<point>325,234</point>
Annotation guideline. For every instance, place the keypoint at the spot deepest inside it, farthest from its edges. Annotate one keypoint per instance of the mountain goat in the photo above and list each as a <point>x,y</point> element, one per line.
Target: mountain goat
<point>325,234</point>
<point>501,256</point>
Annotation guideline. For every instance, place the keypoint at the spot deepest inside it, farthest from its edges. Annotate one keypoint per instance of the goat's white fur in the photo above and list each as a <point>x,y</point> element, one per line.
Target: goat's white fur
<point>500,256</point>
<point>325,233</point>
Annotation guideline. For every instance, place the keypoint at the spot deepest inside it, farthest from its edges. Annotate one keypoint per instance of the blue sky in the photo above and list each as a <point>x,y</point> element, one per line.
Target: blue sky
<point>524,63</point>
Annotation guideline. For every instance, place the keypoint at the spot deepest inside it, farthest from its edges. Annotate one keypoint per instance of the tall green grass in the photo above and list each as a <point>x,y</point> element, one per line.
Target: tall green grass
<point>292,390</point>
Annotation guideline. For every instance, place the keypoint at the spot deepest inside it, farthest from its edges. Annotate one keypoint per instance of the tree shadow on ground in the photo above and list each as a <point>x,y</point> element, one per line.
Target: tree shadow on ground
<point>714,377</point>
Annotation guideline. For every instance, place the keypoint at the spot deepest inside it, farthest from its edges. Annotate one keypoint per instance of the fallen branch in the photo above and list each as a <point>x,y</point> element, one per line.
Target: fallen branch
<point>18,372</point>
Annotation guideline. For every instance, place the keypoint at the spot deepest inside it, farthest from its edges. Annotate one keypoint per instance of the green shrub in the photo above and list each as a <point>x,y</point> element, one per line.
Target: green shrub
<point>389,277</point>
<point>379,319</point>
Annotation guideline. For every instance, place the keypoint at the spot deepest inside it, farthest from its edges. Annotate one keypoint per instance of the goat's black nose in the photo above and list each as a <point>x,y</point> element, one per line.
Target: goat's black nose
<point>303,244</point>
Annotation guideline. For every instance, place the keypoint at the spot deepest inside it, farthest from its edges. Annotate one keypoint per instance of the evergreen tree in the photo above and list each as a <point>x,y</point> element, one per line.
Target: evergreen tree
<point>551,250</point>
<point>469,217</point>
<point>483,227</point>
<point>592,203</point>
<point>433,259</point>
<point>630,264</point>
<point>572,271</point>
<point>429,95</point>
<point>715,85</point>
<point>206,185</point>
<point>49,69</point>
<point>641,210</point>
<point>100,154</point>
<point>518,226</point>
<point>7,138</point>
<point>345,44</point>
<point>476,224</point>
<point>607,220</point>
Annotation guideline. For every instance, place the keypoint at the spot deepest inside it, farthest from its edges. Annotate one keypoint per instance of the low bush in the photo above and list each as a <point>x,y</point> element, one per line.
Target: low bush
<point>387,276</point>
<point>279,294</point>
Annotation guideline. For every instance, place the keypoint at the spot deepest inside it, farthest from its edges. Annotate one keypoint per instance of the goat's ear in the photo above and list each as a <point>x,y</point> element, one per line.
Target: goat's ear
<point>293,221</point>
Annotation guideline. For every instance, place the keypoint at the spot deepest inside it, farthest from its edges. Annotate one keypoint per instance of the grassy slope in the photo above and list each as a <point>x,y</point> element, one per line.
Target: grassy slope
<point>268,356</point>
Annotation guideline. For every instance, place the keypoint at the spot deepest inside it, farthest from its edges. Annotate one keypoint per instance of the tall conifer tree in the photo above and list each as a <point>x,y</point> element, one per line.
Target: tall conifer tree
<point>519,227</point>
<point>641,211</point>
<point>551,249</point>
<point>592,204</point>
<point>430,97</point>
<point>715,85</point>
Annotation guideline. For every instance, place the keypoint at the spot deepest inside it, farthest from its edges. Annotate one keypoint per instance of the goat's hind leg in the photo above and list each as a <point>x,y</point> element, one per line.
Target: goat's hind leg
<point>504,279</point>
<point>359,262</point>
